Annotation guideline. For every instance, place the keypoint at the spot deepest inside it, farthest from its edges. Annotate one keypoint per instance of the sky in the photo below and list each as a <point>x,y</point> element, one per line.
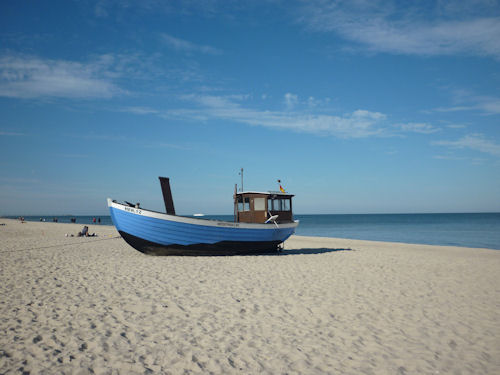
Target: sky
<point>356,106</point>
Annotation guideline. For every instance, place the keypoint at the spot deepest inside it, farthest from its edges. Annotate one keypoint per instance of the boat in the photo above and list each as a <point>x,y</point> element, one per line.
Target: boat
<point>262,222</point>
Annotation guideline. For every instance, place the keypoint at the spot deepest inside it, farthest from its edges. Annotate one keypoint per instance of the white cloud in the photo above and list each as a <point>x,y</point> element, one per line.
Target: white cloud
<point>467,101</point>
<point>476,142</point>
<point>449,157</point>
<point>187,46</point>
<point>312,102</point>
<point>168,145</point>
<point>291,100</point>
<point>31,77</point>
<point>456,126</point>
<point>358,124</point>
<point>141,110</point>
<point>415,127</point>
<point>414,29</point>
<point>455,108</point>
<point>487,104</point>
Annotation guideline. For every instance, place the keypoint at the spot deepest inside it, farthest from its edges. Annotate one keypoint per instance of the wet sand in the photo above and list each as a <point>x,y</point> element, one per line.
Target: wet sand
<point>324,306</point>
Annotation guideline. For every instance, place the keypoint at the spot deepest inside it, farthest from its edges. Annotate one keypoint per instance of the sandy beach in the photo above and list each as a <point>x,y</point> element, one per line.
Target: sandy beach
<point>324,306</point>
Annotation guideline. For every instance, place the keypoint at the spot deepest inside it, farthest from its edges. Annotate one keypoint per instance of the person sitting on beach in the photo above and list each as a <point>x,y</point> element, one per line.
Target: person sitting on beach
<point>85,232</point>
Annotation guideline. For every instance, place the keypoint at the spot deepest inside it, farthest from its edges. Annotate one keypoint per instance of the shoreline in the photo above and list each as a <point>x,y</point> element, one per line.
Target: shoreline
<point>351,240</point>
<point>325,305</point>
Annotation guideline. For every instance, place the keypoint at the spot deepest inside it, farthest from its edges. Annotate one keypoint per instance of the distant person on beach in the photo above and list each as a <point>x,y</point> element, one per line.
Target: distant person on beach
<point>85,232</point>
<point>99,220</point>
<point>93,220</point>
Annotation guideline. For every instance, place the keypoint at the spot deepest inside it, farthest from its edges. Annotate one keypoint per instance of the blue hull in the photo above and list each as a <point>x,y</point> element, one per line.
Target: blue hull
<point>160,234</point>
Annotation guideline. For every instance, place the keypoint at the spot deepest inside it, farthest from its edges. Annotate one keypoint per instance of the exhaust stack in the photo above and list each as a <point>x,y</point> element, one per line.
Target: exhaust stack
<point>167,195</point>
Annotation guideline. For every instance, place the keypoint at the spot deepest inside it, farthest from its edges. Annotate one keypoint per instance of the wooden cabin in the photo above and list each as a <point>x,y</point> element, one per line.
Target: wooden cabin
<point>257,207</point>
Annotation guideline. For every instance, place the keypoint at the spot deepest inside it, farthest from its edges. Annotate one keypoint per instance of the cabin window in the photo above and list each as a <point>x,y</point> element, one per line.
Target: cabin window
<point>274,204</point>
<point>243,203</point>
<point>286,204</point>
<point>259,204</point>
<point>278,204</point>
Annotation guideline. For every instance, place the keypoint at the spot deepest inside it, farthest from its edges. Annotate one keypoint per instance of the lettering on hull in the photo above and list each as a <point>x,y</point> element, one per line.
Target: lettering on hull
<point>133,210</point>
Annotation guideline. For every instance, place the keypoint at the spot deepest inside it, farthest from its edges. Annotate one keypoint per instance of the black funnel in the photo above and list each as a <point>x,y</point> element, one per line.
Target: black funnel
<point>167,195</point>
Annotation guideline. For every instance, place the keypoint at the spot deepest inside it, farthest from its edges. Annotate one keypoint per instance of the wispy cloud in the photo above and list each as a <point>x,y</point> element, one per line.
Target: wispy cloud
<point>312,102</point>
<point>186,46</point>
<point>32,77</point>
<point>456,126</point>
<point>449,157</point>
<point>476,142</point>
<point>417,127</point>
<point>141,110</point>
<point>357,124</point>
<point>414,29</point>
<point>100,137</point>
<point>455,108</point>
<point>488,104</point>
<point>291,100</point>
<point>168,145</point>
<point>467,101</point>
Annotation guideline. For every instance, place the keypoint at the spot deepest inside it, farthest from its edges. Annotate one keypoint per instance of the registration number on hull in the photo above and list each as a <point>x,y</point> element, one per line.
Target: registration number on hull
<point>133,210</point>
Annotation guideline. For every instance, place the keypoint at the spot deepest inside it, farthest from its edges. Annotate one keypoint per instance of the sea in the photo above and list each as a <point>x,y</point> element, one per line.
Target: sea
<point>456,229</point>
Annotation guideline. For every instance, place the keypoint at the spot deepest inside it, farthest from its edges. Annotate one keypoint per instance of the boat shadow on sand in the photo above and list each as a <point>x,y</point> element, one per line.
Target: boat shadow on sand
<point>296,252</point>
<point>310,251</point>
<point>285,252</point>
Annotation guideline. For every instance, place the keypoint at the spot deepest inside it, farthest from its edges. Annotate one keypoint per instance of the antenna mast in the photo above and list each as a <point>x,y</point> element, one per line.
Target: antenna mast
<point>241,173</point>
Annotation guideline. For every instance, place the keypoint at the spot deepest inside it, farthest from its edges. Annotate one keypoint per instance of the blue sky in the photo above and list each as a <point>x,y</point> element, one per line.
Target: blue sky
<point>357,106</point>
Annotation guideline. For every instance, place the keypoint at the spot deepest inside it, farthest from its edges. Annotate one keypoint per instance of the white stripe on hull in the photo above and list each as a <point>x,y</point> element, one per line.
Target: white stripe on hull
<point>190,220</point>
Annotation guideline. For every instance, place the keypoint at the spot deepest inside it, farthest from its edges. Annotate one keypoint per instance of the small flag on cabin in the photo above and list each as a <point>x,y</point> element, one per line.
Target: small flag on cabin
<point>281,187</point>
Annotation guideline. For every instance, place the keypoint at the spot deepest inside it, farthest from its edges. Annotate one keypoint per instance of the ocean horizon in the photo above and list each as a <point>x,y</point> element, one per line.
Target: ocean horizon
<point>479,230</point>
